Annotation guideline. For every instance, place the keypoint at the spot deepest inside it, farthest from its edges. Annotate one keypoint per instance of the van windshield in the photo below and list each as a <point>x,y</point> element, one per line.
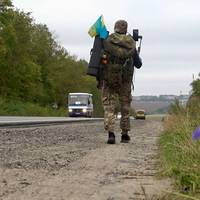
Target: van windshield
<point>78,100</point>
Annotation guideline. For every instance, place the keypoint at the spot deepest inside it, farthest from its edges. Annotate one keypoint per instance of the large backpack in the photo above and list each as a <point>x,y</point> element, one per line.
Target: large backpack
<point>119,49</point>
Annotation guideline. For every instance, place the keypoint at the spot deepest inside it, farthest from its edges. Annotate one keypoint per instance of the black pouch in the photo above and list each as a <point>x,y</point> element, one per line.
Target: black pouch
<point>137,61</point>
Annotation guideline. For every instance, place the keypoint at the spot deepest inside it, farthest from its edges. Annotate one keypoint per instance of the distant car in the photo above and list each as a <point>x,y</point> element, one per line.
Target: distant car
<point>140,114</point>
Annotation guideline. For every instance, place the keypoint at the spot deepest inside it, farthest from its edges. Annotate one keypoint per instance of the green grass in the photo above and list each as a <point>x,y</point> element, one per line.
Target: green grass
<point>159,117</point>
<point>179,154</point>
<point>18,108</point>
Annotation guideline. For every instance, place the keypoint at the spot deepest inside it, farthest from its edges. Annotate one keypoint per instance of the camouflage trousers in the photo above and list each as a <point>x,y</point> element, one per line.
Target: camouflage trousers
<point>110,98</point>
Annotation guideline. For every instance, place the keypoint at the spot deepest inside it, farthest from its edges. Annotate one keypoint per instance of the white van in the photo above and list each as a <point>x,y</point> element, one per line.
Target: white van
<point>80,104</point>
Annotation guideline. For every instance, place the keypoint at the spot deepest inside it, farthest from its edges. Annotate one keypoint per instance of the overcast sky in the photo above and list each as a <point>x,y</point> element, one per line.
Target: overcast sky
<point>170,30</point>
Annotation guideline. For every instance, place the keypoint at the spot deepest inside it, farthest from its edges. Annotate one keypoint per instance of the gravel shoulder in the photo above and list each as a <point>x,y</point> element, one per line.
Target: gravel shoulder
<point>73,162</point>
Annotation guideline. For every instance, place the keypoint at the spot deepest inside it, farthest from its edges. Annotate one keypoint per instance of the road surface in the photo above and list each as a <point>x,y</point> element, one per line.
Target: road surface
<point>6,121</point>
<point>73,162</point>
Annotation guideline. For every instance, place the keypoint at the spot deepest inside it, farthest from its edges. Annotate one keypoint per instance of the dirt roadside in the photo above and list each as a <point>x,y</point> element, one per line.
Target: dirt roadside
<point>73,162</point>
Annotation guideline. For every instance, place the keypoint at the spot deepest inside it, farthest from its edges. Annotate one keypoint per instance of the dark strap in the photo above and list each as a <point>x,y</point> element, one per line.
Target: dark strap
<point>116,60</point>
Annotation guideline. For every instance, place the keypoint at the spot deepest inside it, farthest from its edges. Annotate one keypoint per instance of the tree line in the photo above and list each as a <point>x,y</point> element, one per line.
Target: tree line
<point>34,67</point>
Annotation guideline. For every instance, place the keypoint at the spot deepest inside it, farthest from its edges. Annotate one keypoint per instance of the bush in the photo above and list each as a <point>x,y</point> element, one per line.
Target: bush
<point>18,108</point>
<point>180,155</point>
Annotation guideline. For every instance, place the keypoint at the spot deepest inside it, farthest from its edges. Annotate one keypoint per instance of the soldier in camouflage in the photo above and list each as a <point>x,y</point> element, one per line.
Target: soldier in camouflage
<point>119,48</point>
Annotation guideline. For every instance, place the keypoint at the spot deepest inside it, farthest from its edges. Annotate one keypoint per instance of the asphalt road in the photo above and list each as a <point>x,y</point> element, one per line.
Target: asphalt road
<point>73,162</point>
<point>24,119</point>
<point>6,121</point>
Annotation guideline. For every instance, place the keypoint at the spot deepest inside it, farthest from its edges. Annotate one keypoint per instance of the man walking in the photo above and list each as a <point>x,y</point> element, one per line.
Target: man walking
<point>118,69</point>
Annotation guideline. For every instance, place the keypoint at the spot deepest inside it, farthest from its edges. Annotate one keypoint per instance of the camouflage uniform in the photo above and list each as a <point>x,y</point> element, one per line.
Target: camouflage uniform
<point>109,99</point>
<point>117,77</point>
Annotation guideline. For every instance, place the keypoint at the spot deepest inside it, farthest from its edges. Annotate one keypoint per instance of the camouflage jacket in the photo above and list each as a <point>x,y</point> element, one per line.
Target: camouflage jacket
<point>119,49</point>
<point>120,45</point>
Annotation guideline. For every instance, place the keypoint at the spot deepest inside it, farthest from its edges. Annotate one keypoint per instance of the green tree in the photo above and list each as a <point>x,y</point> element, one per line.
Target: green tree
<point>196,86</point>
<point>193,103</point>
<point>4,4</point>
<point>34,67</point>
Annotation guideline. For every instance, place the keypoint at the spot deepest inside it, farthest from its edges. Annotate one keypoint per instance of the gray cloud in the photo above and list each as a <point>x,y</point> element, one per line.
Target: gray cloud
<point>170,28</point>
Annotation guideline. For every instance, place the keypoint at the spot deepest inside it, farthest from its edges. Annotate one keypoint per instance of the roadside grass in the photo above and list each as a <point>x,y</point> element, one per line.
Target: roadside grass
<point>157,117</point>
<point>18,108</point>
<point>179,154</point>
<point>167,196</point>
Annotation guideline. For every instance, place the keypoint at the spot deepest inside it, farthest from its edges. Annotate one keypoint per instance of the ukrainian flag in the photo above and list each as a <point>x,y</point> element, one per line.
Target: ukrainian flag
<point>98,28</point>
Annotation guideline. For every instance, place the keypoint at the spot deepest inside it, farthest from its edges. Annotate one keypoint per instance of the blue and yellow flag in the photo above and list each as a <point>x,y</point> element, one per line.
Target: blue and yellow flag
<point>98,28</point>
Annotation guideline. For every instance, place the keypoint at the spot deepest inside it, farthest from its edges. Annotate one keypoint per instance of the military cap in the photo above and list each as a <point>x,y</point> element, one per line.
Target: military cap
<point>121,27</point>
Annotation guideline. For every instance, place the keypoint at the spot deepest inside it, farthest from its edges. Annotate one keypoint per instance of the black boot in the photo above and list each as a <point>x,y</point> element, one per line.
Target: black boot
<point>111,138</point>
<point>125,138</point>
